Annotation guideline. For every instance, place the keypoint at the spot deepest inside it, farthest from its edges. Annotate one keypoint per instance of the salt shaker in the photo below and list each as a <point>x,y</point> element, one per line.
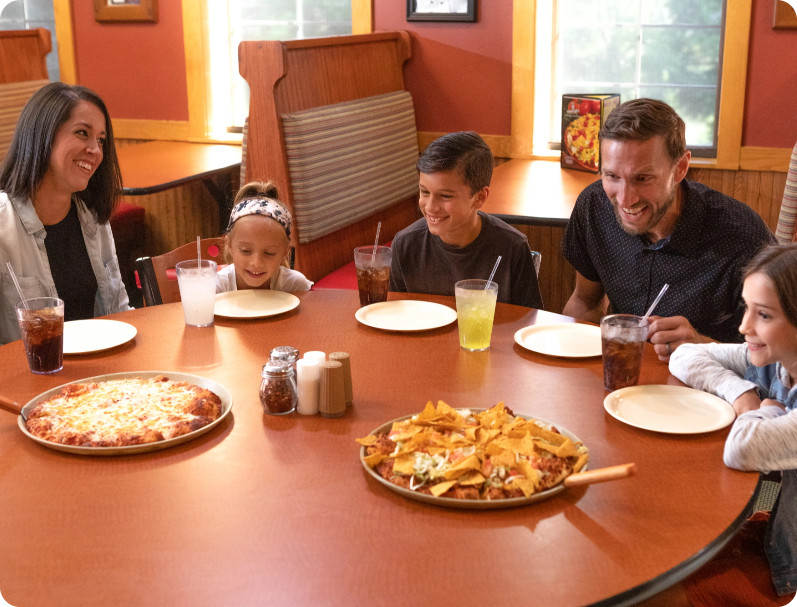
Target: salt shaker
<point>278,388</point>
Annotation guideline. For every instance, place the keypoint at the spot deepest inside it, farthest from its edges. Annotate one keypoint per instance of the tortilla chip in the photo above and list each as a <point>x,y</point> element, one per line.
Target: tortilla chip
<point>440,488</point>
<point>582,461</point>
<point>567,449</point>
<point>373,460</point>
<point>462,466</point>
<point>367,441</point>
<point>525,485</point>
<point>471,478</point>
<point>404,464</point>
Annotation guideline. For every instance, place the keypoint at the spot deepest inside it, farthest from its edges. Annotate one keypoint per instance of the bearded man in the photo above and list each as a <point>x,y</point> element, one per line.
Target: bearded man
<point>643,225</point>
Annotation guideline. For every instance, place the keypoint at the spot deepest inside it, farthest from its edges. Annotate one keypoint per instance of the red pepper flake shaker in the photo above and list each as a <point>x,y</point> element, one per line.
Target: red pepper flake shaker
<point>278,388</point>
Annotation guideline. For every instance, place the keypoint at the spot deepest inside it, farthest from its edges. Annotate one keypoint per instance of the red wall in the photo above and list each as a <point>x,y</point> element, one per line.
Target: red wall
<point>770,112</point>
<point>137,68</point>
<point>460,74</point>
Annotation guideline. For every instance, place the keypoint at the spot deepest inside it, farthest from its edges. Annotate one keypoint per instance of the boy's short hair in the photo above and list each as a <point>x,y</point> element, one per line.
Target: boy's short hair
<point>464,152</point>
<point>644,119</point>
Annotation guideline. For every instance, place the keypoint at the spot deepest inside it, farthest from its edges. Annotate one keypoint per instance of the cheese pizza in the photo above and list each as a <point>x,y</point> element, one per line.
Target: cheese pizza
<point>124,412</point>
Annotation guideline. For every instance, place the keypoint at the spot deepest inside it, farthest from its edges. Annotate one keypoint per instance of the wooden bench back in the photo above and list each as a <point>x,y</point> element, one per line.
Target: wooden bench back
<point>23,71</point>
<point>23,55</point>
<point>286,77</point>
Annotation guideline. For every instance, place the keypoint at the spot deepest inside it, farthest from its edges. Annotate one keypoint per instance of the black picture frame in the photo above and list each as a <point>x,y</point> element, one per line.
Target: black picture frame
<point>413,14</point>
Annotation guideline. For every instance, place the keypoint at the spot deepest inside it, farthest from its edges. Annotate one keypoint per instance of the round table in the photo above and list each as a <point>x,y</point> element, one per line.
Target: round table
<point>278,510</point>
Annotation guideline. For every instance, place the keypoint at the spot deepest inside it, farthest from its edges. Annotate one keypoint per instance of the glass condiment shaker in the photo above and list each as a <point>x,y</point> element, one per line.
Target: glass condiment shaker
<point>287,353</point>
<point>278,388</point>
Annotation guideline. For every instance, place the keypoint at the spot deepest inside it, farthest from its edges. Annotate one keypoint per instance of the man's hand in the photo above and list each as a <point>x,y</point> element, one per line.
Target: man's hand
<point>749,401</point>
<point>667,333</point>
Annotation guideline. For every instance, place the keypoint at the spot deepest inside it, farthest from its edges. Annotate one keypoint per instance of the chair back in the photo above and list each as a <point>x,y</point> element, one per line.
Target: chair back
<point>287,81</point>
<point>153,272</point>
<point>787,230</point>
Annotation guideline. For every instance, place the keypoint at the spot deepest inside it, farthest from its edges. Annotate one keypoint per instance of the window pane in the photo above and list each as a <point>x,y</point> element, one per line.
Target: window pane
<point>278,31</point>
<point>584,58</point>
<point>593,12</point>
<point>680,55</point>
<point>703,12</point>
<point>696,106</point>
<point>271,10</point>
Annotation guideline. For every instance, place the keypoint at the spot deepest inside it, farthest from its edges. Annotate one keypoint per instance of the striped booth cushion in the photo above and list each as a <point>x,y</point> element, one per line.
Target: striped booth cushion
<point>349,160</point>
<point>13,97</point>
<point>785,231</point>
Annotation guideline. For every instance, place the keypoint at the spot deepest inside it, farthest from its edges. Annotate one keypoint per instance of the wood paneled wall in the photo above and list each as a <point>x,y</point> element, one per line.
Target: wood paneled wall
<point>177,216</point>
<point>557,277</point>
<point>760,190</point>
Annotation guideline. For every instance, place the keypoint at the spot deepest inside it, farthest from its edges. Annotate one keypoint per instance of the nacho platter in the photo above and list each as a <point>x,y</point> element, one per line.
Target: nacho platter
<point>475,504</point>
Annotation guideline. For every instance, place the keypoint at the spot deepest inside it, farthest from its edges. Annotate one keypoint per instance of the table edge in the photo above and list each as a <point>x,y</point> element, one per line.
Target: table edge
<point>648,589</point>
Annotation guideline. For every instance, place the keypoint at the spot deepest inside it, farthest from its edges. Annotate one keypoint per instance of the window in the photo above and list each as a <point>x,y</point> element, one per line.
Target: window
<point>233,21</point>
<point>665,49</point>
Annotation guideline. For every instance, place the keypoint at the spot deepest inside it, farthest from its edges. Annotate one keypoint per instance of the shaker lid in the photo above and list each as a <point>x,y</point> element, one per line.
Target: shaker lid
<point>276,368</point>
<point>287,353</point>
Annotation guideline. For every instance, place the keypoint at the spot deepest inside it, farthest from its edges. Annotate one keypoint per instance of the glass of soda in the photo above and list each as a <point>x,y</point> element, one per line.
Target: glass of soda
<point>373,273</point>
<point>42,326</point>
<point>623,339</point>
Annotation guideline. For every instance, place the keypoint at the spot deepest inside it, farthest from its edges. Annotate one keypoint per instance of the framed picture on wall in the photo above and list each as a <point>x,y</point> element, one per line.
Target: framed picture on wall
<point>785,15</point>
<point>126,10</point>
<point>441,10</point>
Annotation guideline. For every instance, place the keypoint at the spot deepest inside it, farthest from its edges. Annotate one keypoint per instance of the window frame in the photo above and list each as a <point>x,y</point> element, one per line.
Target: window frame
<point>731,106</point>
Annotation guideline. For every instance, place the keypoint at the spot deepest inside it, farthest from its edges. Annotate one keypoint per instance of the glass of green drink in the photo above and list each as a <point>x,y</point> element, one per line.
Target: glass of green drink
<point>475,311</point>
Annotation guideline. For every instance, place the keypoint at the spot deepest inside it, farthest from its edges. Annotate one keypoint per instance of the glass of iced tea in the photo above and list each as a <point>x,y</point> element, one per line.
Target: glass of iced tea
<point>373,273</point>
<point>42,326</point>
<point>623,339</point>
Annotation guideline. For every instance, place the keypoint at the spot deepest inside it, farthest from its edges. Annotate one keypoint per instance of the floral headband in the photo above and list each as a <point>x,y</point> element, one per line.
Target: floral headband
<point>261,206</point>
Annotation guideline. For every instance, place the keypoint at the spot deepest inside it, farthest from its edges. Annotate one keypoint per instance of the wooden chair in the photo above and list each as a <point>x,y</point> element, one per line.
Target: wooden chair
<point>158,278</point>
<point>289,77</point>
<point>787,230</point>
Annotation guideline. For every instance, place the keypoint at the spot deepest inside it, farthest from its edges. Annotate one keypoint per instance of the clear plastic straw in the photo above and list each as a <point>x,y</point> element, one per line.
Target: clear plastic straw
<point>495,267</point>
<point>656,301</point>
<point>376,242</point>
<point>198,255</point>
<point>16,284</point>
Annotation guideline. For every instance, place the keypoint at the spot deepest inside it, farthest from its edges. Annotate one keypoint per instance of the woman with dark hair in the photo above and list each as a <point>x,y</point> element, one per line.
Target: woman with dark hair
<point>59,185</point>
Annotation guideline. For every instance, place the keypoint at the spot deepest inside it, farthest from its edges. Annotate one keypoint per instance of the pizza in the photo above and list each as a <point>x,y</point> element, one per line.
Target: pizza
<point>581,140</point>
<point>462,454</point>
<point>123,412</point>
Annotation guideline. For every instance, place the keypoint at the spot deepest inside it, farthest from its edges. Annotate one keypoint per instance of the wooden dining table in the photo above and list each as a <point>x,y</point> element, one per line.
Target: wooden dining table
<point>265,510</point>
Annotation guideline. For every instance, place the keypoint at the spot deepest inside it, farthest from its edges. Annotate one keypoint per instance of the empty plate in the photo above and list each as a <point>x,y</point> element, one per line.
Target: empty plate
<point>254,303</point>
<point>95,335</point>
<point>406,315</point>
<point>670,409</point>
<point>570,340</point>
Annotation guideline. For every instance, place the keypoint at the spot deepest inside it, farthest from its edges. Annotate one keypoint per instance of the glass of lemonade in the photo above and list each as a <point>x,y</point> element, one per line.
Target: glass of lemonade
<point>475,312</point>
<point>197,291</point>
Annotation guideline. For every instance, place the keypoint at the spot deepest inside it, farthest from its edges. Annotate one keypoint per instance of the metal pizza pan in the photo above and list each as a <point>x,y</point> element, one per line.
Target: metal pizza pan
<point>203,382</point>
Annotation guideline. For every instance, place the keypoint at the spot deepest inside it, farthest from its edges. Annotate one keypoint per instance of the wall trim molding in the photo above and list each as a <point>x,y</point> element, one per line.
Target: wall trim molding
<point>65,36</point>
<point>169,130</point>
<point>500,145</point>
<point>362,16</point>
<point>765,159</point>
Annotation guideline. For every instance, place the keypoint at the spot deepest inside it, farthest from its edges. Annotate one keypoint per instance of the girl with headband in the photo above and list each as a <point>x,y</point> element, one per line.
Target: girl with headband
<point>258,243</point>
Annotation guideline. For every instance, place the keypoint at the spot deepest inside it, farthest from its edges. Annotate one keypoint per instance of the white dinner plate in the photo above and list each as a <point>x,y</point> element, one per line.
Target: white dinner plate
<point>670,409</point>
<point>468,504</point>
<point>95,335</point>
<point>570,340</point>
<point>254,303</point>
<point>203,382</point>
<point>406,315</point>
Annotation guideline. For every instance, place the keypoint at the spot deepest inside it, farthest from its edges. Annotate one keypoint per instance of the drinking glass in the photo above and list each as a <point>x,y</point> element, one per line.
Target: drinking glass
<point>41,322</point>
<point>623,339</point>
<point>373,273</point>
<point>475,311</point>
<point>197,291</point>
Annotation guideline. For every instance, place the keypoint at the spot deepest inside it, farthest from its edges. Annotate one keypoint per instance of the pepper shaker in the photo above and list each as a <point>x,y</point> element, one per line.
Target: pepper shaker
<point>278,388</point>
